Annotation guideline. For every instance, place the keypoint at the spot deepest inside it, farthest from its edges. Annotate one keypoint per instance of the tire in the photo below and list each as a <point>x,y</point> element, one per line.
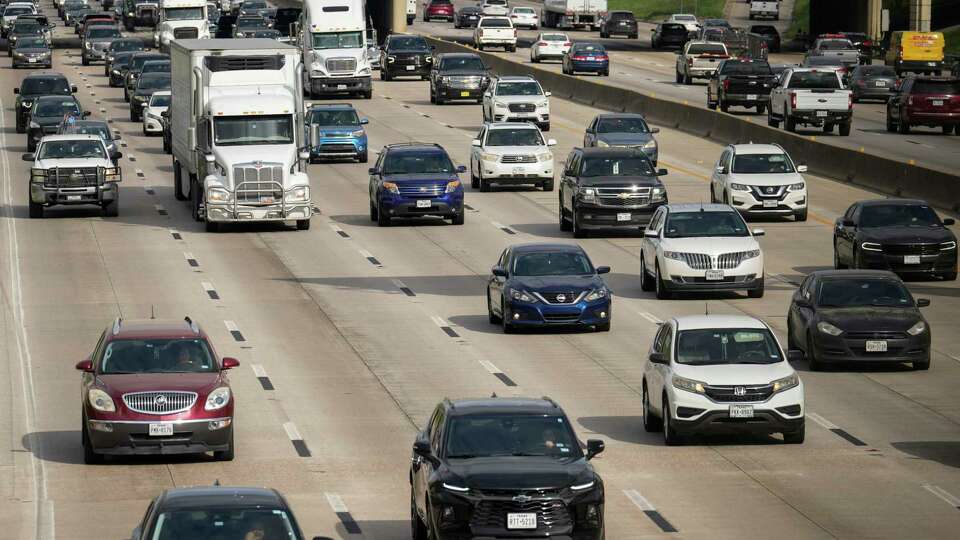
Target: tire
<point>578,231</point>
<point>761,108</point>
<point>827,127</point>
<point>303,224</point>
<point>565,224</point>
<point>604,35</point>
<point>178,182</point>
<point>112,208</point>
<point>367,94</point>
<point>845,129</point>
<point>790,125</point>
<point>36,210</point>
<point>903,127</point>
<point>923,365</point>
<point>797,436</point>
<point>949,276</point>
<point>947,130</point>
<point>687,79</point>
<point>89,456</point>
<point>811,353</point>
<point>84,61</point>
<point>651,422</point>
<point>756,293</point>
<point>21,128</point>
<point>891,127</point>
<point>459,218</point>
<point>545,127</point>
<point>712,105</point>
<point>364,157</point>
<point>166,146</point>
<point>474,181</point>
<point>418,529</point>
<point>383,220</point>
<point>801,215</point>
<point>837,265</point>
<point>31,144</point>
<point>195,196</point>
<point>547,185</point>
<point>771,121</point>
<point>670,436</point>
<point>433,97</point>
<point>646,282</point>
<point>484,185</point>
<point>604,327</point>
<point>606,73</point>
<point>661,289</point>
<point>507,327</point>
<point>384,74</point>
<point>724,106</point>
<point>494,319</point>
<point>228,454</point>
<point>679,78</point>
<point>373,213</point>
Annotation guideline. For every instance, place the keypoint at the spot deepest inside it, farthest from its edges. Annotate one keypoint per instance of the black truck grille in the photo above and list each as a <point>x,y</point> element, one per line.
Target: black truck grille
<point>552,514</point>
<point>738,394</point>
<point>185,33</point>
<point>72,177</point>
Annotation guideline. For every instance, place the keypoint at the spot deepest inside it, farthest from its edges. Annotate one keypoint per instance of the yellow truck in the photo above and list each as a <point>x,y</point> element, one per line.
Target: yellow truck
<point>918,52</point>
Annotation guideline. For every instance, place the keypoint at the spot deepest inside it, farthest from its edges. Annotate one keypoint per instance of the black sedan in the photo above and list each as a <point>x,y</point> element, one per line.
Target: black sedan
<point>872,82</point>
<point>467,17</point>
<point>538,285</point>
<point>858,315</point>
<point>902,235</point>
<point>147,84</point>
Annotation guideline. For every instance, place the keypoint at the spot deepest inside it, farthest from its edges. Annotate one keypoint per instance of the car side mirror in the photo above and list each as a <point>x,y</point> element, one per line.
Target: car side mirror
<point>801,168</point>
<point>85,365</point>
<point>759,232</point>
<point>650,233</point>
<point>594,447</point>
<point>721,170</point>
<point>498,271</point>
<point>603,269</point>
<point>794,355</point>
<point>165,114</point>
<point>73,88</point>
<point>85,114</point>
<point>421,447</point>
<point>662,172</point>
<point>16,90</point>
<point>551,142</point>
<point>27,157</point>
<point>229,363</point>
<point>475,142</point>
<point>657,358</point>
<point>948,221</point>
<point>115,155</point>
<point>461,169</point>
<point>364,121</point>
<point>654,130</point>
<point>848,223</point>
<point>547,94</point>
<point>923,302</point>
<point>373,171</point>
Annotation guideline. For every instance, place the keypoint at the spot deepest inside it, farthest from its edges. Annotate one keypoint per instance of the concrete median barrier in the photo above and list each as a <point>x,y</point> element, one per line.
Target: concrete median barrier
<point>888,176</point>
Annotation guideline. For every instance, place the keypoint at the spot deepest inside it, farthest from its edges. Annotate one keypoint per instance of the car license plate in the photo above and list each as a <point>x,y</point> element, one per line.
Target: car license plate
<point>911,259</point>
<point>751,97</point>
<point>73,197</point>
<point>341,87</point>
<point>931,63</point>
<point>423,203</point>
<point>31,60</point>
<point>411,68</point>
<point>464,94</point>
<point>741,411</point>
<point>623,216</point>
<point>938,103</point>
<point>821,113</point>
<point>161,430</point>
<point>714,275</point>
<point>876,346</point>
<point>881,83</point>
<point>770,204</point>
<point>522,521</point>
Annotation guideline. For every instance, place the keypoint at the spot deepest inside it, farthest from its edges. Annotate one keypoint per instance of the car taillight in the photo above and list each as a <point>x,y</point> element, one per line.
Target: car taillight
<point>567,44</point>
<point>514,32</point>
<point>689,61</point>
<point>601,57</point>
<point>541,44</point>
<point>793,100</point>
<point>726,84</point>
<point>849,101</point>
<point>867,43</point>
<point>910,100</point>
<point>581,58</point>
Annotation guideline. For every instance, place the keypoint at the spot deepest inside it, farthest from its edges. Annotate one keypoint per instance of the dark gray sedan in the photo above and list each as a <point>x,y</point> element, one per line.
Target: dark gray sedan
<point>628,130</point>
<point>32,52</point>
<point>872,82</point>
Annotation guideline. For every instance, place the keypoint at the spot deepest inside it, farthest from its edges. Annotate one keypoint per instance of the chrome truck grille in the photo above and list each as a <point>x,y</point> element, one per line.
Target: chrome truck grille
<point>185,33</point>
<point>511,158</point>
<point>623,197</point>
<point>341,66</point>
<point>165,402</point>
<point>259,184</point>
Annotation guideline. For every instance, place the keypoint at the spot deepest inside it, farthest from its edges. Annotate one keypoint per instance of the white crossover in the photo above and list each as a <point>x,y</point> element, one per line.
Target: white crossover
<point>511,153</point>
<point>517,99</point>
<point>760,179</point>
<point>525,17</point>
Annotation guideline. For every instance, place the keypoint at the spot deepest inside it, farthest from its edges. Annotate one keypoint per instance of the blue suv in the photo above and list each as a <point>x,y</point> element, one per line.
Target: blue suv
<point>336,132</point>
<point>415,180</point>
<point>534,285</point>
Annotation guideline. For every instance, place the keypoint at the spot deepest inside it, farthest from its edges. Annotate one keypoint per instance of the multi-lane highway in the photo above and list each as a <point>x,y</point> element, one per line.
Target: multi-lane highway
<point>634,65</point>
<point>348,335</point>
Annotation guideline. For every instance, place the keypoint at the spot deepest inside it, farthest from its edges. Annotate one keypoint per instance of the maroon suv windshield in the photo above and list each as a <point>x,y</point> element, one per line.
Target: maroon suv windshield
<point>157,356</point>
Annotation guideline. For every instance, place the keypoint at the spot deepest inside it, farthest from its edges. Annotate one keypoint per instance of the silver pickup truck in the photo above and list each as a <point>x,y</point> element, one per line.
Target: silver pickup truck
<point>840,48</point>
<point>811,97</point>
<point>699,60</point>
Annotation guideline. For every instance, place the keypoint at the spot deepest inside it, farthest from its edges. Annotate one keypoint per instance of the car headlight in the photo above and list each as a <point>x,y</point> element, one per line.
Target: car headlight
<point>86,45</point>
<point>917,329</point>
<point>391,59</point>
<point>299,194</point>
<point>546,156</point>
<point>583,486</point>
<point>487,156</point>
<point>455,488</point>
<point>358,133</point>
<point>752,254</point>
<point>689,385</point>
<point>26,104</point>
<point>785,383</point>
<point>649,145</point>
<point>391,187</point>
<point>739,187</point>
<point>17,55</point>
<point>799,186</point>
<point>452,186</point>
<point>602,143</point>
<point>101,400</point>
<point>218,399</point>
<point>34,125</point>
<point>829,329</point>
<point>218,195</point>
<point>522,296</point>
<point>445,79</point>
<point>947,246</point>
<point>364,71</point>
<point>588,194</point>
<point>596,294</point>
<point>675,255</point>
<point>871,246</point>
<point>658,194</point>
<point>499,105</point>
<point>543,103</point>
<point>115,71</point>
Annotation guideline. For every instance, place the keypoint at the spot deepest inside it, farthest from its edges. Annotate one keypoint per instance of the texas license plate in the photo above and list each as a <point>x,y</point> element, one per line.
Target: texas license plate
<point>411,68</point>
<point>423,203</point>
<point>751,97</point>
<point>769,204</point>
<point>911,259</point>
<point>464,94</point>
<point>714,275</point>
<point>741,411</point>
<point>821,113</point>
<point>938,103</point>
<point>876,346</point>
<point>623,216</point>
<point>73,197</point>
<point>522,521</point>
<point>881,83</point>
<point>161,430</point>
<point>31,60</point>
<point>341,87</point>
<point>931,63</point>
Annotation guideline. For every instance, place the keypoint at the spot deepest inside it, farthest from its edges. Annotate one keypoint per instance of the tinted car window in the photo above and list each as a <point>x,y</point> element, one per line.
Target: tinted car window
<point>466,63</point>
<point>56,107</point>
<point>616,166</point>
<point>746,68</point>
<point>71,149</point>
<point>408,43</point>
<point>154,81</point>
<point>762,164</point>
<point>863,292</point>
<point>45,86</point>
<point>334,117</point>
<point>706,48</point>
<point>32,43</point>
<point>511,435</point>
<point>514,137</point>
<point>157,356</point>
<point>518,89</point>
<point>898,215</point>
<point>696,224</point>
<point>495,23</point>
<point>417,163</point>
<point>814,79</point>
<point>558,263</point>
<point>727,346</point>
<point>936,87</point>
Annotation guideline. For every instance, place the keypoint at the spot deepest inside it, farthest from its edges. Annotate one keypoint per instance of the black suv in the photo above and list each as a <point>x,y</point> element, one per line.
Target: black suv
<point>619,23</point>
<point>669,35</point>
<point>405,55</point>
<point>458,76</point>
<point>47,113</point>
<point>147,84</point>
<point>504,467</point>
<point>34,86</point>
<point>608,188</point>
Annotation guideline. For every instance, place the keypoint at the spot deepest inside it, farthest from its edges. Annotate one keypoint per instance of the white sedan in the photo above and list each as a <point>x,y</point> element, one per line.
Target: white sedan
<point>152,119</point>
<point>549,46</point>
<point>525,17</point>
<point>511,153</point>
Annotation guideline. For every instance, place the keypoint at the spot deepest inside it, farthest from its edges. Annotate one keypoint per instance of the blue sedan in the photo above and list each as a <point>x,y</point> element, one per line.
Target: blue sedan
<point>586,58</point>
<point>536,285</point>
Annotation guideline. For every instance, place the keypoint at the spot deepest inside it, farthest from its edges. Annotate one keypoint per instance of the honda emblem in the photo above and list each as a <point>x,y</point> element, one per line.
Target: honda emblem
<point>739,391</point>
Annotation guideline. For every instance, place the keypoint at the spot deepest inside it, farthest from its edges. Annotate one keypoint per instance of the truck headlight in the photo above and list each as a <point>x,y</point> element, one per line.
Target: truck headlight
<point>217,399</point>
<point>452,186</point>
<point>218,195</point>
<point>364,71</point>
<point>785,383</point>
<point>101,400</point>
<point>522,296</point>
<point>650,145</point>
<point>499,105</point>
<point>917,329</point>
<point>596,294</point>
<point>658,194</point>
<point>689,385</point>
<point>588,194</point>
<point>299,194</point>
<point>829,329</point>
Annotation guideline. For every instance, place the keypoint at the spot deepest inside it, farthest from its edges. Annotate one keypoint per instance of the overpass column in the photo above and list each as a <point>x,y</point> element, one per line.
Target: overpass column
<point>920,15</point>
<point>398,15</point>
<point>874,8</point>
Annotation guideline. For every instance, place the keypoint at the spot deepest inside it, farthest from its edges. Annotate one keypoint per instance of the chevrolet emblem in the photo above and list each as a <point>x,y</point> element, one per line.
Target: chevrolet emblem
<point>522,498</point>
<point>624,195</point>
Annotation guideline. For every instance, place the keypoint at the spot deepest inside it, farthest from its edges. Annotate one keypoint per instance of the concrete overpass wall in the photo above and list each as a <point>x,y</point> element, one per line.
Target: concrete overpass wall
<point>388,16</point>
<point>840,15</point>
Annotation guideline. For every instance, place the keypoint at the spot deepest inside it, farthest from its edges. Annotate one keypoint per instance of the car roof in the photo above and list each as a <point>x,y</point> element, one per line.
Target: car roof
<point>853,274</point>
<point>220,497</point>
<point>45,75</point>
<point>71,137</point>
<point>758,149</point>
<point>878,202</point>
<point>694,207</point>
<point>622,115</point>
<point>546,246</point>
<point>153,328</point>
<point>511,125</point>
<point>102,123</point>
<point>516,78</point>
<point>458,55</point>
<point>336,106</point>
<point>414,147</point>
<point>463,407</point>
<point>702,322</point>
<point>50,97</point>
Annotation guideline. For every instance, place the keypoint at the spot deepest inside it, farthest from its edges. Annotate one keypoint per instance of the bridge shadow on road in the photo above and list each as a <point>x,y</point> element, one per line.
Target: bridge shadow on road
<point>943,452</point>
<point>66,447</point>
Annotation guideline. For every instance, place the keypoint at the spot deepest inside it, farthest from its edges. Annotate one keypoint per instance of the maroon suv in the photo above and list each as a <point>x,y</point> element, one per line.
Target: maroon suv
<point>155,387</point>
<point>438,9</point>
<point>925,101</point>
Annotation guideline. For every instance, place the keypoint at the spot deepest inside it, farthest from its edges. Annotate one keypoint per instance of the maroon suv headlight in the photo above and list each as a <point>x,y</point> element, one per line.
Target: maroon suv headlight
<point>100,400</point>
<point>217,399</point>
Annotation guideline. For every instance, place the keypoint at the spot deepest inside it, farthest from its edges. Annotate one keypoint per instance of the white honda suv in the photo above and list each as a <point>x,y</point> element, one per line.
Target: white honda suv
<point>710,374</point>
<point>760,179</point>
<point>517,99</point>
<point>511,153</point>
<point>700,247</point>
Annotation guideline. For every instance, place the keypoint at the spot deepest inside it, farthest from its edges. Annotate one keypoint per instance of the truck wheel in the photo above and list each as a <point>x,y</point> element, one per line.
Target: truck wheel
<point>845,129</point>
<point>903,126</point>
<point>363,157</point>
<point>112,208</point>
<point>790,125</point>
<point>722,104</point>
<point>196,195</point>
<point>213,227</point>
<point>771,121</point>
<point>303,224</point>
<point>827,127</point>
<point>679,77</point>
<point>761,108</point>
<point>687,79</point>
<point>178,182</point>
<point>367,95</point>
<point>36,210</point>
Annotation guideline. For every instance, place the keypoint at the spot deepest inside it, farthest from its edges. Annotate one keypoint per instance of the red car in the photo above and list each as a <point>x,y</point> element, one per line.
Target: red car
<point>925,101</point>
<point>155,387</point>
<point>438,9</point>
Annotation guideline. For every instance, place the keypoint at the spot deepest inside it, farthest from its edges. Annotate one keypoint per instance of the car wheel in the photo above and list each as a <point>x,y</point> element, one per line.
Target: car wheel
<point>712,105</point>
<point>761,107</point>
<point>845,129</point>
<point>812,362</point>
<point>459,218</point>
<point>36,210</point>
<point>713,195</point>
<point>491,316</point>
<point>303,224</point>
<point>801,215</point>
<point>661,289</point>
<point>796,436</point>
<point>771,121</point>
<point>790,125</point>
<point>756,293</point>
<point>827,127</point>
<point>433,96</point>
<point>565,224</point>
<point>383,220</point>
<point>646,282</point>
<point>484,185</point>
<point>364,157</point>
<point>724,106</point>
<point>373,213</point>
<point>507,327</point>
<point>670,436</point>
<point>836,258</point>
<point>418,530</point>
<point>228,454</point>
<point>112,208</point>
<point>948,129</point>
<point>578,231</point>
<point>903,127</point>
<point>651,422</point>
<point>547,185</point>
<point>922,365</point>
<point>679,78</point>
<point>949,276</point>
<point>31,144</point>
<point>474,181</point>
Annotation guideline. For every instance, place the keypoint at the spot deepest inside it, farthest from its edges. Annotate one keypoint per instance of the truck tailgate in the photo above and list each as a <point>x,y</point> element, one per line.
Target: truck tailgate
<point>706,61</point>
<point>822,100</point>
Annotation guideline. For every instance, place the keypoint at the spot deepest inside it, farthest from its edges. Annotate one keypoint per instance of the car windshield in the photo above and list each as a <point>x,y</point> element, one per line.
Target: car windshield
<point>160,100</point>
<point>899,215</point>
<point>56,107</point>
<point>408,44</point>
<point>342,117</point>
<point>700,224</point>
<point>154,81</point>
<point>16,10</point>
<point>121,61</point>
<point>252,22</point>
<point>588,49</point>
<point>31,43</point>
<point>936,87</point>
<point>514,137</point>
<point>157,356</point>
<point>552,263</point>
<point>240,523</point>
<point>717,346</point>
<point>254,5</point>
<point>138,61</point>
<point>246,130</point>
<point>519,89</point>
<point>622,125</point>
<point>835,44</point>
<point>762,164</point>
<point>616,166</point>
<point>495,22</point>
<point>183,14</point>
<point>71,149</point>
<point>706,48</point>
<point>876,71</point>
<point>417,163</point>
<point>126,45</point>
<point>745,68</point>
<point>523,10</point>
<point>464,63</point>
<point>43,86</point>
<point>815,79</point>
<point>690,18</point>
<point>29,27</point>
<point>490,435</point>
<point>338,40</point>
<point>854,292</point>
<point>99,32</point>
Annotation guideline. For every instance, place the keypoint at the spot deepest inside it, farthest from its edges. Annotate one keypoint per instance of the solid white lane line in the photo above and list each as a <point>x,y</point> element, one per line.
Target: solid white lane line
<point>824,423</point>
<point>943,494</point>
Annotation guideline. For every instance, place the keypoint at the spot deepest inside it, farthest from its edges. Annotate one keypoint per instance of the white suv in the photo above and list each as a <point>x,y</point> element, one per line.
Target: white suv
<point>700,247</point>
<point>517,99</point>
<point>760,179</point>
<point>720,374</point>
<point>511,153</point>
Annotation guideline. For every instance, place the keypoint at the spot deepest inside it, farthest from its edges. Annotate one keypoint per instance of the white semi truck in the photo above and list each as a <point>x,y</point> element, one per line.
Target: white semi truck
<point>573,13</point>
<point>181,19</point>
<point>332,36</point>
<point>237,132</point>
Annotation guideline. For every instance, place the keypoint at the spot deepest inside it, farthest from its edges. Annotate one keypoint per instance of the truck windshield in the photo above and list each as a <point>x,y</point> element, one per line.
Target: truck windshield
<point>338,40</point>
<point>247,130</point>
<point>71,149</point>
<point>183,14</point>
<point>815,79</point>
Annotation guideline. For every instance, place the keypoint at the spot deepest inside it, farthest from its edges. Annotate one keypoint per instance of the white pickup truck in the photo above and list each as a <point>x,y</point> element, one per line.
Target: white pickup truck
<point>765,10</point>
<point>811,97</point>
<point>699,60</point>
<point>496,32</point>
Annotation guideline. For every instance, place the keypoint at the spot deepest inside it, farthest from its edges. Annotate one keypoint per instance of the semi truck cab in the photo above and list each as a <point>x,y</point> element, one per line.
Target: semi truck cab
<point>181,19</point>
<point>334,48</point>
